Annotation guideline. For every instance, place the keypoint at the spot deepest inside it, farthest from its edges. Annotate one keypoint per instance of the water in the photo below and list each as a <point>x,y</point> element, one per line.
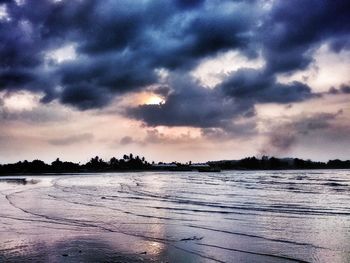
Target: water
<point>233,216</point>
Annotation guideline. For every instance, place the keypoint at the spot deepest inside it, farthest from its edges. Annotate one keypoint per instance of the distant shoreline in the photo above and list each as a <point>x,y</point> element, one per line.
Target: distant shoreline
<point>129,163</point>
<point>142,171</point>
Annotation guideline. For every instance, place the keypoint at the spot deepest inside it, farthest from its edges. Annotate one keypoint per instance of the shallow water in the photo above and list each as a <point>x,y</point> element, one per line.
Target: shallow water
<point>233,216</point>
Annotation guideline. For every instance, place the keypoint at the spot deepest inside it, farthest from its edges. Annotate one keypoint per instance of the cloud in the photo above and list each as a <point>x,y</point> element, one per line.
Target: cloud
<point>153,136</point>
<point>85,96</point>
<point>190,105</point>
<point>23,106</point>
<point>163,91</point>
<point>126,140</point>
<point>120,47</point>
<point>73,139</point>
<point>189,4</point>
<point>285,135</point>
<point>343,89</point>
<point>241,130</point>
<point>259,86</point>
<point>294,29</point>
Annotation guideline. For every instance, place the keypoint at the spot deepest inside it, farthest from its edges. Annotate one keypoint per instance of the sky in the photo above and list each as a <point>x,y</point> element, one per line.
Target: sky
<point>174,80</point>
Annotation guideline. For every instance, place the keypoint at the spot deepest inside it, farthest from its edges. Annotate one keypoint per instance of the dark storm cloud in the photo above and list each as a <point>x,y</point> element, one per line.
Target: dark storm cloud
<point>118,72</point>
<point>288,36</point>
<point>163,91</point>
<point>84,96</point>
<point>191,105</point>
<point>120,45</point>
<point>259,86</point>
<point>293,29</point>
<point>11,78</point>
<point>189,4</point>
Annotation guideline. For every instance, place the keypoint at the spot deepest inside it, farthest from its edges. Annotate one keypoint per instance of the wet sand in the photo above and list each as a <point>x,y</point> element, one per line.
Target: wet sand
<point>237,216</point>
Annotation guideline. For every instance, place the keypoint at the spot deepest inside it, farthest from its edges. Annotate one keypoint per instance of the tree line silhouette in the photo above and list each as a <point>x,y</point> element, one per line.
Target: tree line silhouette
<point>136,163</point>
<point>96,164</point>
<point>272,163</point>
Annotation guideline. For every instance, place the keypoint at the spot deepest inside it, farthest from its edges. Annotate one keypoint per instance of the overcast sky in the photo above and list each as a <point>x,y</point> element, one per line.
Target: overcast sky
<point>174,80</point>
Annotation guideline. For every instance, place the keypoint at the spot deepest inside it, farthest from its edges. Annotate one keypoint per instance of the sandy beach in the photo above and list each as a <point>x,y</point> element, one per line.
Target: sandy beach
<point>233,216</point>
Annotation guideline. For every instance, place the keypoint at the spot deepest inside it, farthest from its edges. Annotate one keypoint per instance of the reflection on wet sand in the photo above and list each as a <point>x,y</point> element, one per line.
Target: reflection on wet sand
<point>22,181</point>
<point>290,216</point>
<point>77,249</point>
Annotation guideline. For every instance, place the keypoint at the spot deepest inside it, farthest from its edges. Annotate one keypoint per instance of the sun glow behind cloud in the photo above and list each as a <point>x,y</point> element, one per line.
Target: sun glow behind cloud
<point>140,98</point>
<point>154,99</point>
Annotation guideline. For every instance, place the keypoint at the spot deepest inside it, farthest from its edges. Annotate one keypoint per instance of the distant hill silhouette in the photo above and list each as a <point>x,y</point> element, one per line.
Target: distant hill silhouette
<point>131,163</point>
